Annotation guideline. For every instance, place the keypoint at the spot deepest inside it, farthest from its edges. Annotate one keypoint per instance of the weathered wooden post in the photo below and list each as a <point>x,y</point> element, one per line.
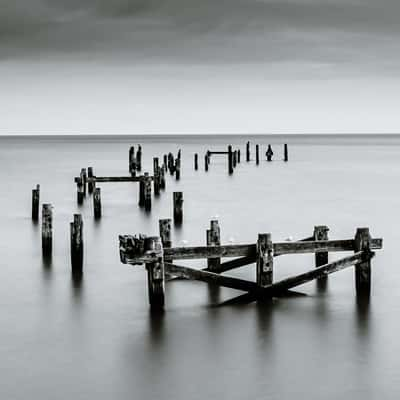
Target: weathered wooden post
<point>97,203</point>
<point>238,156</point>
<point>165,234</point>
<point>213,239</point>
<point>84,180</point>
<point>321,257</point>
<point>35,203</point>
<point>155,272</point>
<point>230,160</point>
<point>286,153</point>
<point>171,163</point>
<point>234,159</point>
<point>79,193</point>
<point>248,151</point>
<point>178,207</point>
<point>178,168</point>
<point>141,192</point>
<point>76,235</point>
<point>162,177</point>
<point>156,176</point>
<point>206,162</point>
<point>131,155</point>
<point>165,162</point>
<point>362,242</point>
<point>196,161</point>
<point>90,183</point>
<point>139,158</point>
<point>179,154</point>
<point>265,260</point>
<point>269,153</point>
<point>257,154</point>
<point>47,229</point>
<point>147,192</point>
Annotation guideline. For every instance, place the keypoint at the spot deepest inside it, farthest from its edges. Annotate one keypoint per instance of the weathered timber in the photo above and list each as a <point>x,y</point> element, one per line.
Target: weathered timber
<point>236,263</point>
<point>321,257</point>
<point>234,161</point>
<point>47,229</point>
<point>178,169</point>
<point>130,157</point>
<point>238,156</point>
<point>257,154</point>
<point>90,183</point>
<point>178,207</point>
<point>322,245</point>
<point>265,260</point>
<point>206,162</point>
<point>213,239</point>
<point>141,193</point>
<point>248,151</point>
<point>165,161</point>
<point>171,163</point>
<point>179,154</point>
<point>230,160</point>
<point>76,236</point>
<point>162,177</point>
<point>118,178</point>
<point>35,203</point>
<point>84,180</point>
<point>147,192</point>
<point>363,242</point>
<point>139,158</point>
<point>79,193</point>
<point>97,203</point>
<point>269,153</point>
<point>196,161</point>
<point>156,176</point>
<point>165,232</point>
<point>285,152</point>
<point>210,153</point>
<point>155,273</point>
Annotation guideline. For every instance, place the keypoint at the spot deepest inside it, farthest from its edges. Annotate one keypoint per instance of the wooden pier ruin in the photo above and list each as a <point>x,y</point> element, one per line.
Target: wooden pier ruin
<point>159,261</point>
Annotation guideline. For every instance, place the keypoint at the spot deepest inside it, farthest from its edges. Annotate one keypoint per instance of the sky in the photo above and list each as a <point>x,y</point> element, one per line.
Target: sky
<point>207,66</point>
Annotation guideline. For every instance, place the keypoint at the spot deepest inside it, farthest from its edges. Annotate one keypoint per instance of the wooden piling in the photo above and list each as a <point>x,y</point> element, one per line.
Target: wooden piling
<point>76,236</point>
<point>362,242</point>
<point>35,203</point>
<point>321,257</point>
<point>165,232</point>
<point>171,163</point>
<point>147,192</point>
<point>213,239</point>
<point>165,161</point>
<point>286,153</point>
<point>156,176</point>
<point>257,154</point>
<point>234,161</point>
<point>155,273</point>
<point>139,158</point>
<point>178,207</point>
<point>269,153</point>
<point>162,177</point>
<point>130,159</point>
<point>141,192</point>
<point>79,193</point>
<point>196,162</point>
<point>265,260</point>
<point>206,162</point>
<point>97,203</point>
<point>90,183</point>
<point>248,151</point>
<point>238,156</point>
<point>178,168</point>
<point>84,180</point>
<point>230,160</point>
<point>47,229</point>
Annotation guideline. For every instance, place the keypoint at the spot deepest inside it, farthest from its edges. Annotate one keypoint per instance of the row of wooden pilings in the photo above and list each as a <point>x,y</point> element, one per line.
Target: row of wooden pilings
<point>234,156</point>
<point>158,256</point>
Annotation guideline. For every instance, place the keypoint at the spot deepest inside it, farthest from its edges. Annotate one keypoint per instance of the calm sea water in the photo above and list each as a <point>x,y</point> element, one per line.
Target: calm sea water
<point>98,340</point>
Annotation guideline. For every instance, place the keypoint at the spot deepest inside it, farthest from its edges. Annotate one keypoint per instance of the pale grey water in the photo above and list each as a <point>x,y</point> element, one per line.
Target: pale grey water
<point>99,341</point>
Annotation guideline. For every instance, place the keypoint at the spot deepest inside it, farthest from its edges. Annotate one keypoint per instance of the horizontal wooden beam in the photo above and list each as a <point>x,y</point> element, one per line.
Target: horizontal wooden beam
<point>188,253</point>
<point>218,152</point>
<point>235,263</point>
<point>321,245</point>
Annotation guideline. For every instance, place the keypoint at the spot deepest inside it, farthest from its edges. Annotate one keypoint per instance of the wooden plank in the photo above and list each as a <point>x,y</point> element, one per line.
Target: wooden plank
<point>117,178</point>
<point>236,263</point>
<point>187,253</point>
<point>323,245</point>
<point>218,152</point>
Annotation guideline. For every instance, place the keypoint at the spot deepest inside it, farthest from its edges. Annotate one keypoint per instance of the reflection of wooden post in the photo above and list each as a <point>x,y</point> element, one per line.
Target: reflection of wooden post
<point>47,229</point>
<point>97,203</point>
<point>286,153</point>
<point>178,207</point>
<point>230,159</point>
<point>35,203</point>
<point>362,241</point>
<point>77,244</point>
<point>248,151</point>
<point>196,162</point>
<point>213,239</point>
<point>265,259</point>
<point>155,273</point>
<point>321,257</point>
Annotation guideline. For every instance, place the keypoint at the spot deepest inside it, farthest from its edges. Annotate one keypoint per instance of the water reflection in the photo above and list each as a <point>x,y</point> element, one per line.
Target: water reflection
<point>363,314</point>
<point>156,326</point>
<point>47,265</point>
<point>214,294</point>
<point>77,286</point>
<point>322,285</point>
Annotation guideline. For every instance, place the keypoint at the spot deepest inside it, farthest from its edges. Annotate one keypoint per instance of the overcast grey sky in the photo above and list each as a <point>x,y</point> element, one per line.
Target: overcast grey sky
<point>185,66</point>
